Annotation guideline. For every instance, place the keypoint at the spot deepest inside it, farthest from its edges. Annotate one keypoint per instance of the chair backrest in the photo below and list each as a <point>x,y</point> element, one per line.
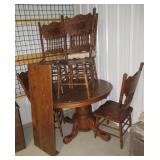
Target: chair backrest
<point>79,31</point>
<point>51,36</point>
<point>128,88</point>
<point>23,79</point>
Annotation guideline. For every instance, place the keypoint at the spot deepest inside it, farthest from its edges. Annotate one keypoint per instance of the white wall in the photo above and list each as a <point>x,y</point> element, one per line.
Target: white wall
<point>120,46</point>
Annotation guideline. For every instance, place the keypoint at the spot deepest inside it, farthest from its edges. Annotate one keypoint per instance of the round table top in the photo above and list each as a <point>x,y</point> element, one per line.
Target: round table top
<point>77,97</point>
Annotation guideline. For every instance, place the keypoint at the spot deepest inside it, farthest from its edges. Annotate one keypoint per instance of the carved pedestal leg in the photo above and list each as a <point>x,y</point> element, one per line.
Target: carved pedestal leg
<point>74,132</point>
<point>84,120</point>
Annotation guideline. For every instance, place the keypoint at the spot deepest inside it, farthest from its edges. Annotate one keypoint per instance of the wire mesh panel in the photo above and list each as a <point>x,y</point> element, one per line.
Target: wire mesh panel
<point>27,38</point>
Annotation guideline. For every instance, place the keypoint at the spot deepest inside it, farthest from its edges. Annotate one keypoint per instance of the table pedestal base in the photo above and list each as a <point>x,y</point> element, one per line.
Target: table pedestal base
<point>84,120</point>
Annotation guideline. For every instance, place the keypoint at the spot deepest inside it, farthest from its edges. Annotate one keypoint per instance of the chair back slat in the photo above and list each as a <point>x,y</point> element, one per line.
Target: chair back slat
<point>52,38</point>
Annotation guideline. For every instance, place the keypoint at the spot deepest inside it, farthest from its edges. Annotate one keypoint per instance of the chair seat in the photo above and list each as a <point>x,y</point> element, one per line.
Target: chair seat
<point>111,111</point>
<point>79,55</point>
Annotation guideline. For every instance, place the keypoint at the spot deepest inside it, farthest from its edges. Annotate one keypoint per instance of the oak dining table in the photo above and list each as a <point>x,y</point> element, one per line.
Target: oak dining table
<point>83,119</point>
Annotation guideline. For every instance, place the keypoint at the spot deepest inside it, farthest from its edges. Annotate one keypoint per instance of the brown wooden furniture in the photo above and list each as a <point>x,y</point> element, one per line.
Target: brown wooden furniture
<point>19,135</point>
<point>52,43</point>
<point>44,100</point>
<point>76,75</point>
<point>83,119</point>
<point>73,42</point>
<point>52,40</point>
<point>80,31</point>
<point>120,112</point>
<point>23,79</point>
<point>59,116</point>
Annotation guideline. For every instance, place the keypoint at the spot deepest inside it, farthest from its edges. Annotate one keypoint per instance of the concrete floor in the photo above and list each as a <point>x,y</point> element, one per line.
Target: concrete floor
<point>84,144</point>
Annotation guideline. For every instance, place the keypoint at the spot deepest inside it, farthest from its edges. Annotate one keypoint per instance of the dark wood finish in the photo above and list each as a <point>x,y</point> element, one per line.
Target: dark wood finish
<point>76,76</point>
<point>52,42</point>
<point>19,135</point>
<point>23,79</point>
<point>40,89</point>
<point>74,98</point>
<point>81,33</point>
<point>94,32</point>
<point>59,115</point>
<point>52,39</point>
<point>120,112</point>
<point>78,29</point>
<point>42,100</point>
<point>83,119</point>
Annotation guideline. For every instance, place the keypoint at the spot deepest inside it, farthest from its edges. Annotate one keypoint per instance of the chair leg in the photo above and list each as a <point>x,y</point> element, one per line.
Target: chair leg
<point>70,76</point>
<point>95,71</point>
<point>91,71</point>
<point>59,125</point>
<point>86,80</point>
<point>59,80</point>
<point>60,129</point>
<point>130,120</point>
<point>86,83</point>
<point>95,134</point>
<point>121,135</point>
<point>62,116</point>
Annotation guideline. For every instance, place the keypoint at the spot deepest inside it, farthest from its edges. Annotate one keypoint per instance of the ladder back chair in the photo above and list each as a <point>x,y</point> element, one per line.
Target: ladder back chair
<point>59,115</point>
<point>119,112</point>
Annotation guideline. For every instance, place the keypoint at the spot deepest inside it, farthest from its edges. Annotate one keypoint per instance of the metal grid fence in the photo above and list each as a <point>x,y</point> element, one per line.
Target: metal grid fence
<point>27,39</point>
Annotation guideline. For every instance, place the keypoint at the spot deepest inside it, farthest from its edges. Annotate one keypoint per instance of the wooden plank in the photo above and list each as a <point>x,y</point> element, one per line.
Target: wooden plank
<point>40,89</point>
<point>35,58</point>
<point>35,21</point>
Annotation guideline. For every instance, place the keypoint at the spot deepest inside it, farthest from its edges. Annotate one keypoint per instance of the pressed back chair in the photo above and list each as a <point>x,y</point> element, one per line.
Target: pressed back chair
<point>80,31</point>
<point>52,44</point>
<point>52,41</point>
<point>59,116</point>
<point>119,112</point>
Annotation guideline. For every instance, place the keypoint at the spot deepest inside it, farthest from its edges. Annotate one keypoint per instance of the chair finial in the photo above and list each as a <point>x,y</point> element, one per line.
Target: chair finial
<point>141,66</point>
<point>94,10</point>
